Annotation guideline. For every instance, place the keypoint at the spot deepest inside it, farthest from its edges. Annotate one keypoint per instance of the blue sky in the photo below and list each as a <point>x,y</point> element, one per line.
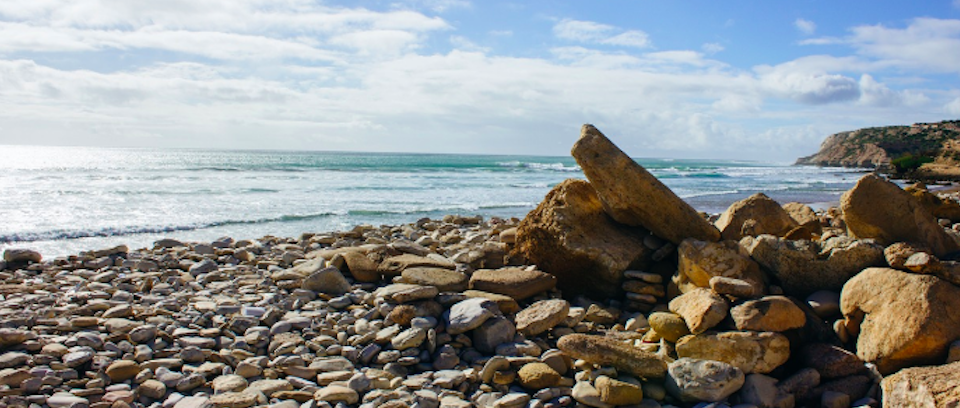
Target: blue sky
<point>706,79</point>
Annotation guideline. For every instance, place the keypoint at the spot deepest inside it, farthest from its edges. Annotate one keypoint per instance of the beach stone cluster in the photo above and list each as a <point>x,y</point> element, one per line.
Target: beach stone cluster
<point>613,292</point>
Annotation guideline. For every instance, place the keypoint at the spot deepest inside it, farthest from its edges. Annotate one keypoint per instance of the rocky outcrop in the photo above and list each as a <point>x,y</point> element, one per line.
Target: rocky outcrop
<point>845,150</point>
<point>923,387</point>
<point>755,215</point>
<point>633,196</point>
<point>878,209</point>
<point>804,267</point>
<point>903,319</point>
<point>570,236</point>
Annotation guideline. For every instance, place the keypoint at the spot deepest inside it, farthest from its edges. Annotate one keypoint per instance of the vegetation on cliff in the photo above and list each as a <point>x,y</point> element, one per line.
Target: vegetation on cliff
<point>899,149</point>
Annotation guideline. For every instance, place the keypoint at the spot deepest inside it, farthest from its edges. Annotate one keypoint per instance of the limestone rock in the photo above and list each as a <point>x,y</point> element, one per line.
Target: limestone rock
<point>923,387</point>
<point>122,370</point>
<point>805,216</point>
<point>804,267</point>
<point>492,333</point>
<point>570,236</point>
<point>445,280</point>
<point>469,314</point>
<point>903,319</point>
<point>700,261</point>
<point>395,265</point>
<point>752,352</point>
<point>701,309</point>
<point>542,316</point>
<point>633,196</point>
<point>537,375</point>
<point>505,303</point>
<point>878,209</point>
<point>694,380</point>
<point>615,392</point>
<point>607,351</point>
<point>518,283</point>
<point>585,393</point>
<point>326,280</point>
<point>669,326</point>
<point>771,313</point>
<point>362,268</point>
<point>767,215</point>
<point>13,255</point>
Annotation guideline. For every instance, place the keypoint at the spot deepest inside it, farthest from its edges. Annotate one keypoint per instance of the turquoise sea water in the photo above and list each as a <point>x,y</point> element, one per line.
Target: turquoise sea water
<point>61,200</point>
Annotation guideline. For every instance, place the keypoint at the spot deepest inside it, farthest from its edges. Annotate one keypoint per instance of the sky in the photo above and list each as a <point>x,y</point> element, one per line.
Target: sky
<point>751,80</point>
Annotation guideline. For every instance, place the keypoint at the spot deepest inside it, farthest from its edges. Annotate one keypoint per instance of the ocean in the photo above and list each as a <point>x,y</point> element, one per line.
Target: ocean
<point>63,200</point>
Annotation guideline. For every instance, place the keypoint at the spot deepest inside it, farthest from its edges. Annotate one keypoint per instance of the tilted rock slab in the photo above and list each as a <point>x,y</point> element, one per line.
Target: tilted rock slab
<point>907,319</point>
<point>923,387</point>
<point>878,209</point>
<point>804,267</point>
<point>570,236</point>
<point>607,351</point>
<point>633,196</point>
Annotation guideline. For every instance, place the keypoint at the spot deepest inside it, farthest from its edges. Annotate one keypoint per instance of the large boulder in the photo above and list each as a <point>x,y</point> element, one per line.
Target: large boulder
<point>767,216</point>
<point>903,319</point>
<point>923,387</point>
<point>878,209</point>
<point>771,313</point>
<point>804,267</point>
<point>700,261</point>
<point>633,196</point>
<point>570,236</point>
<point>752,352</point>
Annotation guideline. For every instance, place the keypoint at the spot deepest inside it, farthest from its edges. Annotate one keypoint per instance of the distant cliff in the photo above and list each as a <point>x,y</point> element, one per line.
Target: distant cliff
<point>898,149</point>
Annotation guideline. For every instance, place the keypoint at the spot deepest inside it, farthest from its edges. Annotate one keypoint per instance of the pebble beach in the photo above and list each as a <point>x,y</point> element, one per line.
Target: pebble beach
<point>597,298</point>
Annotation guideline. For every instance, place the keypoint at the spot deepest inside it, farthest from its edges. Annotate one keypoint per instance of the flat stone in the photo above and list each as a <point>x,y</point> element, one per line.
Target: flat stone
<point>122,370</point>
<point>535,376</point>
<point>445,280</point>
<point>518,283</point>
<point>615,392</point>
<point>751,352</point>
<point>542,316</point>
<point>624,357</point>
<point>234,400</point>
<point>326,280</point>
<point>337,393</point>
<point>469,314</point>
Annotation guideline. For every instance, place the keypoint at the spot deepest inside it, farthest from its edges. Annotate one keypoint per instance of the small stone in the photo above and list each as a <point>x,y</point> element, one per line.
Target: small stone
<point>228,383</point>
<point>234,400</point>
<point>326,280</point>
<point>770,313</point>
<point>337,393</point>
<point>492,333</point>
<point>409,338</point>
<point>542,316</point>
<point>122,370</point>
<point>445,280</point>
<point>700,308</point>
<point>152,389</point>
<point>535,376</point>
<point>616,392</point>
<point>587,395</point>
<point>469,314</point>
<point>13,255</point>
<point>694,380</point>
<point>669,326</point>
<point>65,400</point>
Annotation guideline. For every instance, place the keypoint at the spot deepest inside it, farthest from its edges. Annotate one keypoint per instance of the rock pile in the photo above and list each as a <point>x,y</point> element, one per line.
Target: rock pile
<point>612,292</point>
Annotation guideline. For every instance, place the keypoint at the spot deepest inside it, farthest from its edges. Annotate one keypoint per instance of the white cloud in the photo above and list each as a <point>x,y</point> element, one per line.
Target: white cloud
<point>953,108</point>
<point>799,82</point>
<point>712,48</point>
<point>597,33</point>
<point>463,43</point>
<point>806,27</point>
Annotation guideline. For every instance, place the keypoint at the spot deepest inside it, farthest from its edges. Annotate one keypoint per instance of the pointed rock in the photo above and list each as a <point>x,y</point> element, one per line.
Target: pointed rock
<point>633,196</point>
